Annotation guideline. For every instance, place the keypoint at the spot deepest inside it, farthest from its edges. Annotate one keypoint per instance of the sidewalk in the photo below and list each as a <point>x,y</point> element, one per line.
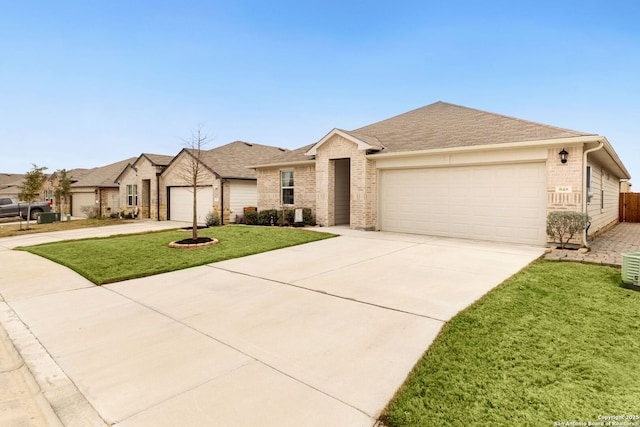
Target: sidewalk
<point>26,396</point>
<point>607,248</point>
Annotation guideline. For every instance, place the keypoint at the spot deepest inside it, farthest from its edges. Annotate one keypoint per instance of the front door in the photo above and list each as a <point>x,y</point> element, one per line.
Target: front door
<point>342,195</point>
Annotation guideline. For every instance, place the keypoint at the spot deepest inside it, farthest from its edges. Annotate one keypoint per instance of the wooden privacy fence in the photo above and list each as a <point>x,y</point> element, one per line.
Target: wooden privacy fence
<point>629,207</point>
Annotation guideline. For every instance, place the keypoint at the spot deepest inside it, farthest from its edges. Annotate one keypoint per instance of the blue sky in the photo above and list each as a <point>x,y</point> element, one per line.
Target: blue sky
<point>87,83</point>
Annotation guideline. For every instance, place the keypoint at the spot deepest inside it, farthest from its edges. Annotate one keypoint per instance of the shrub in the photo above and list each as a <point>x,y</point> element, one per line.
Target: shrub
<point>279,217</point>
<point>286,217</point>
<point>251,218</point>
<point>268,217</point>
<point>212,219</point>
<point>89,211</point>
<point>307,216</point>
<point>127,214</point>
<point>563,225</point>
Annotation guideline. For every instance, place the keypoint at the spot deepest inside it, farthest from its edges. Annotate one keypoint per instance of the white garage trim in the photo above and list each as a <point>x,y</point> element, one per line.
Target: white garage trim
<point>242,194</point>
<point>181,203</point>
<point>499,202</point>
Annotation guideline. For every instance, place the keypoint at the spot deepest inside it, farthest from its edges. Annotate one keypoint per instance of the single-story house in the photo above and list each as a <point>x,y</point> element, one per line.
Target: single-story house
<point>96,192</point>
<point>9,183</point>
<point>448,170</point>
<point>62,205</point>
<point>225,185</point>
<point>139,184</point>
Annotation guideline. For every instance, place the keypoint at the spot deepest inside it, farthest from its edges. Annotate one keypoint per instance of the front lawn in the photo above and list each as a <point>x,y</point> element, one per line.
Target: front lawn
<point>558,342</point>
<point>116,258</point>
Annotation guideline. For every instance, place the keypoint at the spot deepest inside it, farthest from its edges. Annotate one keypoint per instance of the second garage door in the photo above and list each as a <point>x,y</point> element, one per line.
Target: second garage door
<point>82,203</point>
<point>242,194</point>
<point>503,203</point>
<point>181,203</point>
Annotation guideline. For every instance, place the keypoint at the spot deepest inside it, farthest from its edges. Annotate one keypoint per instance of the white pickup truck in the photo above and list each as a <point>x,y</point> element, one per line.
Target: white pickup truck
<point>10,208</point>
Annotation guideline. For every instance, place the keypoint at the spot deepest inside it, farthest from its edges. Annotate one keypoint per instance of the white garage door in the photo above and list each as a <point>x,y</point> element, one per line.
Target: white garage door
<point>181,203</point>
<point>242,194</point>
<point>503,203</point>
<point>80,200</point>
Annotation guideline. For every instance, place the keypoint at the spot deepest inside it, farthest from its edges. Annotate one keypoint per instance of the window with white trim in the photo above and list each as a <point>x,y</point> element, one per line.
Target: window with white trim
<point>48,196</point>
<point>286,185</point>
<point>132,195</point>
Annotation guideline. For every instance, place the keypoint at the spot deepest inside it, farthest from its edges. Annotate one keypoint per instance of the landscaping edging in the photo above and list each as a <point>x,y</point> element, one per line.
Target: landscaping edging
<point>177,245</point>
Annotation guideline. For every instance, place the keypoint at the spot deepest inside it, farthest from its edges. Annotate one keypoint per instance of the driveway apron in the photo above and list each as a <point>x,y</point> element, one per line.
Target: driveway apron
<point>312,335</point>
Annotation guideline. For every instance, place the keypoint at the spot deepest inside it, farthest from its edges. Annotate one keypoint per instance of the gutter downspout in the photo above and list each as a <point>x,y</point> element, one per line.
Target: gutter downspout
<point>222,201</point>
<point>585,195</point>
<point>158,195</point>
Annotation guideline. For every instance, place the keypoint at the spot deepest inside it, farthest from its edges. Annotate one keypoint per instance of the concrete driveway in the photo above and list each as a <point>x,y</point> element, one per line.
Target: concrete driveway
<point>313,335</point>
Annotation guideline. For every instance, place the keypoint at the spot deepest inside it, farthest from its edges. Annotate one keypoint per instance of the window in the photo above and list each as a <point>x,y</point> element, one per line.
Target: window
<point>132,195</point>
<point>48,196</point>
<point>286,182</point>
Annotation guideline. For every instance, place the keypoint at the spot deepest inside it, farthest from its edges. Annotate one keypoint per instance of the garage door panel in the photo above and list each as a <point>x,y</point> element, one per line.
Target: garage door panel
<point>491,202</point>
<point>181,203</point>
<point>242,194</point>
<point>80,201</point>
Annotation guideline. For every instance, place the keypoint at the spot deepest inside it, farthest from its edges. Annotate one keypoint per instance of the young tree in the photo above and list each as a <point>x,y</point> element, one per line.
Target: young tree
<point>63,188</point>
<point>192,172</point>
<point>31,186</point>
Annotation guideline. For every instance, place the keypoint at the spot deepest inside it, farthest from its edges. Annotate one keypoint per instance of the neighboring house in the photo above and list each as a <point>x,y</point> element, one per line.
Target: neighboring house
<point>625,187</point>
<point>96,193</point>
<point>49,190</point>
<point>139,184</point>
<point>226,186</point>
<point>447,170</point>
<point>9,183</point>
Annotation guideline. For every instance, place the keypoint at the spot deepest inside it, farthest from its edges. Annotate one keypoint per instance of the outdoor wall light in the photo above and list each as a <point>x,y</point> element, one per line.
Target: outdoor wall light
<point>563,155</point>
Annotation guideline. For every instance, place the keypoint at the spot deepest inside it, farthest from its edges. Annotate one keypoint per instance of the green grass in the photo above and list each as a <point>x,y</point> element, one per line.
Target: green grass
<point>556,342</point>
<point>117,258</point>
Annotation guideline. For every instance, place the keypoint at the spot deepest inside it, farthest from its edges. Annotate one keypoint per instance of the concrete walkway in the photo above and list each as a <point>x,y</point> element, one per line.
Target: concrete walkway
<point>312,335</point>
<point>607,248</point>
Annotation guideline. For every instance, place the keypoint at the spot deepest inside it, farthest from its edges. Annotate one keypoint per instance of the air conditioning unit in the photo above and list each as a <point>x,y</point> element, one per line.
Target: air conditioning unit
<point>631,268</point>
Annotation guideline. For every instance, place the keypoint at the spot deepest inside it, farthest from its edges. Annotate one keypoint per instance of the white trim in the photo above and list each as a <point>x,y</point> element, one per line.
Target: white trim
<point>288,187</point>
<point>360,143</point>
<point>490,147</point>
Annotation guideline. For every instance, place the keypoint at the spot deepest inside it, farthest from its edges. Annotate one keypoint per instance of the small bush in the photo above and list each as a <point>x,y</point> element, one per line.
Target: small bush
<point>251,218</point>
<point>89,211</point>
<point>563,225</point>
<point>286,217</point>
<point>212,219</point>
<point>127,214</point>
<point>307,216</point>
<point>268,217</point>
<point>279,217</point>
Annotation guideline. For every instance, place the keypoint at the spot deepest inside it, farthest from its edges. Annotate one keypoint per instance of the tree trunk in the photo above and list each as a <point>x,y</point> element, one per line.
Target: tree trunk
<point>194,231</point>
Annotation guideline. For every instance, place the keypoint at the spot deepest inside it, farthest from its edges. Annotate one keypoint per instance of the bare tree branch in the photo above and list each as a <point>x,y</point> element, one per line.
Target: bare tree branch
<point>192,170</point>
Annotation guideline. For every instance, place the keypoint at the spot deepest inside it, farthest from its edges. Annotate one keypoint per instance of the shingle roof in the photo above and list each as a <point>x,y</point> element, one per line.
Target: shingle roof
<point>443,125</point>
<point>103,176</point>
<point>231,160</point>
<point>158,159</point>
<point>10,179</point>
<point>288,156</point>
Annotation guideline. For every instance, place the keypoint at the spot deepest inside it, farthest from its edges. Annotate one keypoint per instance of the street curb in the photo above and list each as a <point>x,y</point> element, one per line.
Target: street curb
<point>58,398</point>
